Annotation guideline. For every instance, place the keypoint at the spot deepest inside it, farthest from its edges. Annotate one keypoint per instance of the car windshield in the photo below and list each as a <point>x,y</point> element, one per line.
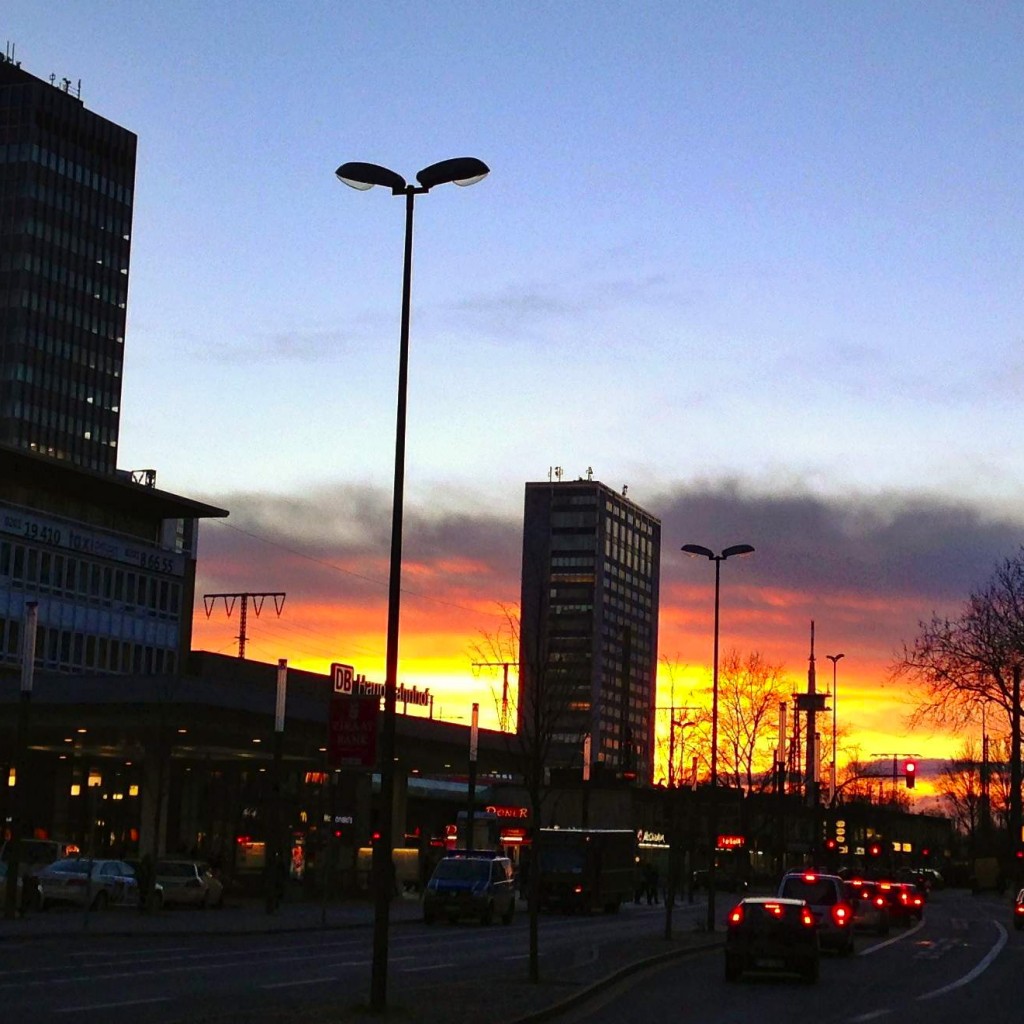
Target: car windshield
<point>71,867</point>
<point>819,892</point>
<point>175,870</point>
<point>456,870</point>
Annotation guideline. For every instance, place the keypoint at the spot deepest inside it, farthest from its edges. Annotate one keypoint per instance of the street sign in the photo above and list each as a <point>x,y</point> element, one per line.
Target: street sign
<point>352,732</point>
<point>342,678</point>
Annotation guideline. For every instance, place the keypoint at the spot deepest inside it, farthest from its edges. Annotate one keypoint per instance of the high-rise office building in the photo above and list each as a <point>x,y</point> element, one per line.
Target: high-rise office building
<point>67,177</point>
<point>589,625</point>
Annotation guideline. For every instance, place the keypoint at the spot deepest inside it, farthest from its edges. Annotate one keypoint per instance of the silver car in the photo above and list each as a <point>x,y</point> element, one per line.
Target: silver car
<point>826,896</point>
<point>188,883</point>
<point>87,882</point>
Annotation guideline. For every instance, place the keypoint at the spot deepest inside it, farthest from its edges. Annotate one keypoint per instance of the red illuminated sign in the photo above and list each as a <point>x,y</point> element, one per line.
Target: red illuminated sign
<point>731,842</point>
<point>507,811</point>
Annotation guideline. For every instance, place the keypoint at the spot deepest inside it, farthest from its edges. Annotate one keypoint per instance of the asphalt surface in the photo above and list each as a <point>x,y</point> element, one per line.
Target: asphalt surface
<point>566,979</point>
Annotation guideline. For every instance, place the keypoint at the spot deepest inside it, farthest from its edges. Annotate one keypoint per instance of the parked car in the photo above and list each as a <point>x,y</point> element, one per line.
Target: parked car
<point>477,885</point>
<point>870,909</point>
<point>826,897</point>
<point>1018,911</point>
<point>188,883</point>
<point>772,934</point>
<point>84,881</point>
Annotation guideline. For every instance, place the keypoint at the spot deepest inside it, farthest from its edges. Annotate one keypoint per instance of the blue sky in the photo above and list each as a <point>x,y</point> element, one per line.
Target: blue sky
<point>768,254</point>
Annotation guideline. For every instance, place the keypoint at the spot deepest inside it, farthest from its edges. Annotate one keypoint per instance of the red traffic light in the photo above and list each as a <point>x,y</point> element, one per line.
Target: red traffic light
<point>910,773</point>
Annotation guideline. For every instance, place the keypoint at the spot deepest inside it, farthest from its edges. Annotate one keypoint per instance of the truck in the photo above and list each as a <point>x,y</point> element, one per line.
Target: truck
<point>584,870</point>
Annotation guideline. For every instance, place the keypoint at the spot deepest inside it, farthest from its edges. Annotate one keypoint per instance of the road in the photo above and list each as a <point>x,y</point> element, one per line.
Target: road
<point>962,964</point>
<point>107,980</point>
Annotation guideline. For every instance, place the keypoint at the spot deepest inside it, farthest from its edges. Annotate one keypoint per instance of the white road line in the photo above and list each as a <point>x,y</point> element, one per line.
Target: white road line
<point>304,981</point>
<point>981,967</point>
<point>896,938</point>
<point>110,1006</point>
<point>431,967</point>
<point>873,1015</point>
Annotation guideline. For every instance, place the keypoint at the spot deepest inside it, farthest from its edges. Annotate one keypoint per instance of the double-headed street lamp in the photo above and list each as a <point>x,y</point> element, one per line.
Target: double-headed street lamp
<point>697,549</point>
<point>835,659</point>
<point>465,170</point>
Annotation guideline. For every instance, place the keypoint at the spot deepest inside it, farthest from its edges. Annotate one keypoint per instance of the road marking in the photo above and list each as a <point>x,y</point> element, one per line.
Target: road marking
<point>111,1006</point>
<point>873,1015</point>
<point>896,938</point>
<point>304,981</point>
<point>431,967</point>
<point>981,967</point>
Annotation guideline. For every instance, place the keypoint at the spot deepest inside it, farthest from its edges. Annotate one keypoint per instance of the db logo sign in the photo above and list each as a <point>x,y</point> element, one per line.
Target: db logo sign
<point>342,677</point>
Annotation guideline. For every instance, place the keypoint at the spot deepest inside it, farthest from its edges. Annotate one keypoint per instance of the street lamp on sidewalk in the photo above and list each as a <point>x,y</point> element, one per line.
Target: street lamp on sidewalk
<point>465,170</point>
<point>697,549</point>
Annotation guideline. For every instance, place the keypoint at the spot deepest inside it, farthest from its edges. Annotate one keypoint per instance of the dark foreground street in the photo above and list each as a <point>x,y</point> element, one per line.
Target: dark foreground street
<point>963,963</point>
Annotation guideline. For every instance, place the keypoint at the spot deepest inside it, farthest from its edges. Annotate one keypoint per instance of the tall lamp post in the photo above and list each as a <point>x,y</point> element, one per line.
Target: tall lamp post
<point>697,549</point>
<point>362,176</point>
<point>835,659</point>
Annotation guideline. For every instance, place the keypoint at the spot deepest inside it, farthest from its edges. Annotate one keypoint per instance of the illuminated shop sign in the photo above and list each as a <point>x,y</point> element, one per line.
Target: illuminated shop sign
<point>731,842</point>
<point>647,838</point>
<point>507,811</point>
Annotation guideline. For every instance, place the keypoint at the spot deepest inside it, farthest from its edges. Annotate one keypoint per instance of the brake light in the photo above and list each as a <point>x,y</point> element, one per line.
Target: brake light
<point>879,901</point>
<point>736,915</point>
<point>807,918</point>
<point>774,908</point>
<point>578,889</point>
<point>841,914</point>
<point>810,877</point>
<point>1019,908</point>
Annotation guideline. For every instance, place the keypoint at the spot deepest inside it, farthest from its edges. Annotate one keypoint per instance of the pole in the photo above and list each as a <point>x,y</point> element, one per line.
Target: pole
<point>20,762</point>
<point>1015,802</point>
<point>274,855</point>
<point>713,808</point>
<point>585,815</point>
<point>473,741</point>
<point>382,854</point>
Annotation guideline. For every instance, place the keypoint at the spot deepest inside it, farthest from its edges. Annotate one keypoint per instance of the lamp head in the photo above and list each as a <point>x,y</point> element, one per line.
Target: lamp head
<point>363,176</point>
<point>460,170</point>
<point>698,549</point>
<point>737,549</point>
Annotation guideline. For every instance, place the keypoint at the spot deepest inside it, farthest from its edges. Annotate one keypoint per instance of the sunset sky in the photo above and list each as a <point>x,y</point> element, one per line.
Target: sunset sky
<point>760,262</point>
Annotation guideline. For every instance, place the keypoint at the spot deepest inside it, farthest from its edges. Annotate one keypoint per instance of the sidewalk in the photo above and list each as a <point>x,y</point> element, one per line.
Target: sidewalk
<point>567,974</point>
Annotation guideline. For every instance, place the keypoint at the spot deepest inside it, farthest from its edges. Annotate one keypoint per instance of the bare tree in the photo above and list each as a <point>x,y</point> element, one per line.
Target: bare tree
<point>958,664</point>
<point>750,689</point>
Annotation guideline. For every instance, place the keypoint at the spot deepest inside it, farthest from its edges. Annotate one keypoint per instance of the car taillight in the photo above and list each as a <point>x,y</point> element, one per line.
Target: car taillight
<point>1019,908</point>
<point>775,909</point>
<point>879,901</point>
<point>807,918</point>
<point>841,914</point>
<point>736,915</point>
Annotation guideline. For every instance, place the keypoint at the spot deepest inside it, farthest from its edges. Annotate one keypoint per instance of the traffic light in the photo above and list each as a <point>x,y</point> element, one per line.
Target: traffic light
<point>910,773</point>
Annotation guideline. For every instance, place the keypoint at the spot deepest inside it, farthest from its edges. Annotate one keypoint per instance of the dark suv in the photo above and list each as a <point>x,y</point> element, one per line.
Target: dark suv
<point>826,896</point>
<point>478,884</point>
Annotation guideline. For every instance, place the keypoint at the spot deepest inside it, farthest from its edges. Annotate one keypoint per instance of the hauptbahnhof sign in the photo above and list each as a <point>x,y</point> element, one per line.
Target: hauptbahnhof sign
<point>346,683</point>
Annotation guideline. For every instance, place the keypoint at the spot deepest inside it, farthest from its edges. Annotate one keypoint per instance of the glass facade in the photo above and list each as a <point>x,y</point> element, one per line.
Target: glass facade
<point>67,177</point>
<point>589,622</point>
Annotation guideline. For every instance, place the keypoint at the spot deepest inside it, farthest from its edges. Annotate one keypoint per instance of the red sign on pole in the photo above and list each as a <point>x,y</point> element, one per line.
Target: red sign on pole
<point>352,732</point>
